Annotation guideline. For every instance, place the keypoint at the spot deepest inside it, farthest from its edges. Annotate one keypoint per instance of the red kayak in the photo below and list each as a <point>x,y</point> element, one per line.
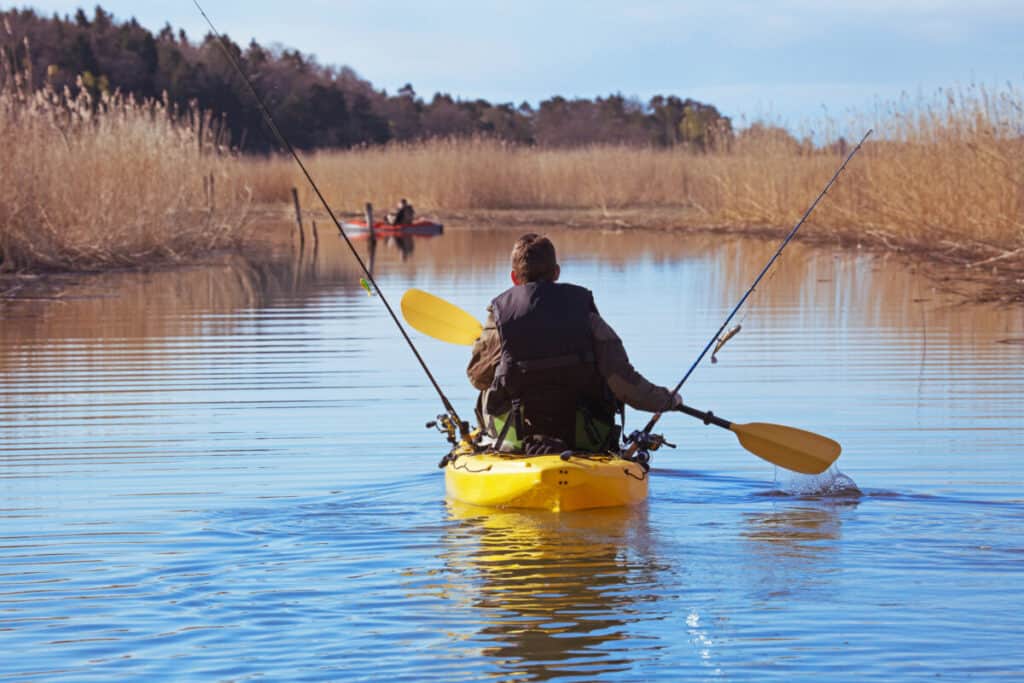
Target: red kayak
<point>422,228</point>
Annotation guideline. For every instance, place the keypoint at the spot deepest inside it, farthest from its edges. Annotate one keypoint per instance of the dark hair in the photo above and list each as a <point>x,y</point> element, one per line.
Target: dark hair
<point>533,258</point>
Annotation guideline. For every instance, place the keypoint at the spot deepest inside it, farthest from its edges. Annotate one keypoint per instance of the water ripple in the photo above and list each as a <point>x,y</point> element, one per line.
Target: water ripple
<point>205,481</point>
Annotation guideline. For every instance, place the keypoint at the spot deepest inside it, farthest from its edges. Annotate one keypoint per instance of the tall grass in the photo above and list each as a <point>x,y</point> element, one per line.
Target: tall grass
<point>89,184</point>
<point>97,183</point>
<point>480,173</point>
<point>945,175</point>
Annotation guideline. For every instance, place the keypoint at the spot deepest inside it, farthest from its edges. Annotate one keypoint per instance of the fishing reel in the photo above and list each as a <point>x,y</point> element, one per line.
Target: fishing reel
<point>645,444</point>
<point>449,427</point>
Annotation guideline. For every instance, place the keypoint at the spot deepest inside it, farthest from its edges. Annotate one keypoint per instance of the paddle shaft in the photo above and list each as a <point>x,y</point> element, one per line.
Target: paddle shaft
<point>711,342</point>
<point>463,430</point>
<point>706,417</point>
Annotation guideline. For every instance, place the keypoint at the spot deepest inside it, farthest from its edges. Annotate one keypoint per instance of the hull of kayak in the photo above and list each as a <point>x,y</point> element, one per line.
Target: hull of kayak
<point>420,228</point>
<point>545,482</point>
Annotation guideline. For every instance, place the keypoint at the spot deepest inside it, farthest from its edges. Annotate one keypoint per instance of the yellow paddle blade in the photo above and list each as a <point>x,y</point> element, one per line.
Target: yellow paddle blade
<point>788,447</point>
<point>435,317</point>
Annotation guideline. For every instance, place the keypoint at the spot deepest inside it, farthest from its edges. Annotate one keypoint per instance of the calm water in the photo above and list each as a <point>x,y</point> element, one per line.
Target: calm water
<point>221,473</point>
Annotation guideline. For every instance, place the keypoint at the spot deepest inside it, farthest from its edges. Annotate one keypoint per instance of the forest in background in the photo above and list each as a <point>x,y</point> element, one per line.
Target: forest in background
<point>318,106</point>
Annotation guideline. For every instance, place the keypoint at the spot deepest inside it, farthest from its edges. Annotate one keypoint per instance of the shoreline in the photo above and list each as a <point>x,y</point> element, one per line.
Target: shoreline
<point>977,273</point>
<point>991,274</point>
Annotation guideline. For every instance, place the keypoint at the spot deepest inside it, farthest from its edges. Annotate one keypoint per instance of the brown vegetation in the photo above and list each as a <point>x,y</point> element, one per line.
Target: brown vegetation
<point>90,184</point>
<point>945,180</point>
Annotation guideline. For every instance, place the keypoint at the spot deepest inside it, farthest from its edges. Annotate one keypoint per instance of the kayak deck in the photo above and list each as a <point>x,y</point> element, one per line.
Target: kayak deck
<point>545,482</point>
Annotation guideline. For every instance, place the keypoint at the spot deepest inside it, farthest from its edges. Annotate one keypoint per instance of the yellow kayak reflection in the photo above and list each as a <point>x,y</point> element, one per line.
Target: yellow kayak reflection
<point>555,592</point>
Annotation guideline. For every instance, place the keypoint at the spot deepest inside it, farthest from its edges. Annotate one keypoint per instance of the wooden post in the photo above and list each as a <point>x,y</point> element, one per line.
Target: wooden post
<point>369,218</point>
<point>298,217</point>
<point>373,236</point>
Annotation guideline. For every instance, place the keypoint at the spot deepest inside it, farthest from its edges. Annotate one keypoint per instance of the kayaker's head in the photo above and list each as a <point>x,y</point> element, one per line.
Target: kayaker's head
<point>533,260</point>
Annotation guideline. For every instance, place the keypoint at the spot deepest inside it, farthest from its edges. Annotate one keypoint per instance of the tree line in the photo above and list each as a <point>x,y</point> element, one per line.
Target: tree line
<point>318,106</point>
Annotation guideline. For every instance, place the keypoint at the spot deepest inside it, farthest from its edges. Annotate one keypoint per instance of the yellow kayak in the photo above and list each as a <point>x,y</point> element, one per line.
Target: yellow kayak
<point>543,482</point>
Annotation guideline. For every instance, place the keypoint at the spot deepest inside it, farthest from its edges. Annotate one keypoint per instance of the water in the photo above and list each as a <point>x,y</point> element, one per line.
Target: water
<point>221,473</point>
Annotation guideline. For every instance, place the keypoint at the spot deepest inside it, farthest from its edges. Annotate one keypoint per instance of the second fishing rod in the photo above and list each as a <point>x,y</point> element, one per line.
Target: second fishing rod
<point>642,438</point>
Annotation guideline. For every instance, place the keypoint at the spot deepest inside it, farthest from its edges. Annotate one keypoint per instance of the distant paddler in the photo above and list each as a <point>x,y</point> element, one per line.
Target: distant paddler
<point>552,372</point>
<point>402,214</point>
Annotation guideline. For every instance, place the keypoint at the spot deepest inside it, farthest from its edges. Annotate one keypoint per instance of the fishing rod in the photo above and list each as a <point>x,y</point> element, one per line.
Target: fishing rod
<point>639,438</point>
<point>463,427</point>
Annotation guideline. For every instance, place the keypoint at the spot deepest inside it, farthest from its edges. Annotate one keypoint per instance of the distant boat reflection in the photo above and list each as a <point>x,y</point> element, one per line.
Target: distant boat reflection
<point>405,244</point>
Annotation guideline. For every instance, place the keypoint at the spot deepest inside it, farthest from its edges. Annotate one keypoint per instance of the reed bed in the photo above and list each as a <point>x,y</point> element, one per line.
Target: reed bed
<point>479,173</point>
<point>96,184</point>
<point>90,184</point>
<point>943,176</point>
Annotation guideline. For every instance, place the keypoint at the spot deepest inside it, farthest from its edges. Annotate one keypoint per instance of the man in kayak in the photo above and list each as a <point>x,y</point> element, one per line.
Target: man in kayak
<point>403,214</point>
<point>552,373</point>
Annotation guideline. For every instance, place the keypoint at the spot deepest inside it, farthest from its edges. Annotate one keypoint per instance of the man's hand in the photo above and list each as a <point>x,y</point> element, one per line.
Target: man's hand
<point>677,401</point>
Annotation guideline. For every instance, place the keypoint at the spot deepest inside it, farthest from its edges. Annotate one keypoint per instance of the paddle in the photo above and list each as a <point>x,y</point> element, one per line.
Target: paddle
<point>788,447</point>
<point>435,317</point>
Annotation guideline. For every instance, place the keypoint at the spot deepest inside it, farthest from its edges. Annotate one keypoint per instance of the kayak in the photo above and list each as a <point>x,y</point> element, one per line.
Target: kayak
<point>420,227</point>
<point>579,481</point>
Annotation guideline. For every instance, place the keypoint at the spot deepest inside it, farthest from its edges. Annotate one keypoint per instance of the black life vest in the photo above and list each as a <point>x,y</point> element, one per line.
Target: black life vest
<point>547,376</point>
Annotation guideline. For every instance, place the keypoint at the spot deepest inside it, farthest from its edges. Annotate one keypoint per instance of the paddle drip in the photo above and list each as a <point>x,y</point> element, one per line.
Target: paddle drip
<point>829,484</point>
<point>463,427</point>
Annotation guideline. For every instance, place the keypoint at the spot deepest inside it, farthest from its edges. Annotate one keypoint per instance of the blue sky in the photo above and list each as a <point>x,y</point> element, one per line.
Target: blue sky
<point>789,61</point>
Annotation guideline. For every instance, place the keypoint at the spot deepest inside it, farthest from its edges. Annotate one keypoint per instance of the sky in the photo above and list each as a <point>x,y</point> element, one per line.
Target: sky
<point>791,62</point>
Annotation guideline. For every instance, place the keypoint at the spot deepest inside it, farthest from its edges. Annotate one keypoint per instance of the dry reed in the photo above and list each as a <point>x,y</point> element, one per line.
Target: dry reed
<point>945,177</point>
<point>91,184</point>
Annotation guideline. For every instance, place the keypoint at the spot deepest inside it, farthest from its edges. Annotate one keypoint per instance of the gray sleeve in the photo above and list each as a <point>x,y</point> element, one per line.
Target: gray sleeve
<point>485,356</point>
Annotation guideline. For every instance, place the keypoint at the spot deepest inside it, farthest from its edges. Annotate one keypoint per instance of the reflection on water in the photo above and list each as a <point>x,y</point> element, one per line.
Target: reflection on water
<point>873,293</point>
<point>793,549</point>
<point>221,472</point>
<point>796,532</point>
<point>556,592</point>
